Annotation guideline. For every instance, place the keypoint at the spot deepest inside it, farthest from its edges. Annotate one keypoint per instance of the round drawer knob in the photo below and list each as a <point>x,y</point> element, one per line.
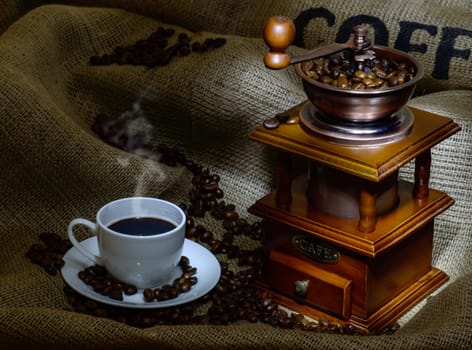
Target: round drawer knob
<point>301,287</point>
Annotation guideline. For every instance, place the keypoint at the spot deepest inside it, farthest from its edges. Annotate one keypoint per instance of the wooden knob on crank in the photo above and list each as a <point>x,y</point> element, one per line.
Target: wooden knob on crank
<point>279,32</point>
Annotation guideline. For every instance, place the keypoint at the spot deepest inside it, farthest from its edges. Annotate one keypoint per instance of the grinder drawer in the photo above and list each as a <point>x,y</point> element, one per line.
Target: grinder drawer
<point>309,284</point>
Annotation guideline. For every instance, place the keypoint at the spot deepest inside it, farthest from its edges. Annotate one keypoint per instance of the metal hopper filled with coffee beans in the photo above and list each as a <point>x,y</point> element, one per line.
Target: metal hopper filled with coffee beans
<point>346,238</point>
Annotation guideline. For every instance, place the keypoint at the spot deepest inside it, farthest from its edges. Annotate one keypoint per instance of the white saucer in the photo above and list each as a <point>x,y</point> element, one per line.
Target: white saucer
<point>208,274</point>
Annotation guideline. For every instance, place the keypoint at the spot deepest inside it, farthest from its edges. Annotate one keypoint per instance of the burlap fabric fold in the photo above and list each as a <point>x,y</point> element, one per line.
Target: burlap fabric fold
<point>54,168</point>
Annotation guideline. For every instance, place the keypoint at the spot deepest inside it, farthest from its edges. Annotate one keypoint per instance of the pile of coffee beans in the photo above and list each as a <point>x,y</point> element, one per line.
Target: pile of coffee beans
<point>205,193</point>
<point>233,226</point>
<point>347,73</point>
<point>103,283</point>
<point>181,284</point>
<point>49,253</point>
<point>235,297</point>
<point>156,50</point>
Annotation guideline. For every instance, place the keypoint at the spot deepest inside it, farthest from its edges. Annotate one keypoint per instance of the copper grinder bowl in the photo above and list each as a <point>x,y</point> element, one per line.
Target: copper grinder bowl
<point>365,105</point>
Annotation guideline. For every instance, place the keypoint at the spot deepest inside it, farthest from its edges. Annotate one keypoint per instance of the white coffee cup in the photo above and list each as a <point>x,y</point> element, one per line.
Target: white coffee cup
<point>140,260</point>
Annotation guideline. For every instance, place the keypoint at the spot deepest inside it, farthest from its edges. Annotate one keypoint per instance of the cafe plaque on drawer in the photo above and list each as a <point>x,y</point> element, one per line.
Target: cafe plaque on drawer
<point>316,249</point>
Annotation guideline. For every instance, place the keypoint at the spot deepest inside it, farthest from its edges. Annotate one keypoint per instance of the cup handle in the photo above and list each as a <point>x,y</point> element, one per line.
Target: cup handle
<point>93,227</point>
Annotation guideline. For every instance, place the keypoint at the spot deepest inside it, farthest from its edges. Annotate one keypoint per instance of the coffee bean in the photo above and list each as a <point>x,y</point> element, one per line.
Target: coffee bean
<point>184,261</point>
<point>218,42</point>
<point>116,294</point>
<point>197,47</point>
<point>271,123</point>
<point>206,236</point>
<point>148,295</point>
<point>282,117</point>
<point>129,289</point>
<point>231,215</point>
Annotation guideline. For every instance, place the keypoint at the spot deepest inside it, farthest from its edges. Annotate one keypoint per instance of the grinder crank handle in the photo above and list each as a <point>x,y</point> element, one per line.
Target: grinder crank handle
<point>279,32</point>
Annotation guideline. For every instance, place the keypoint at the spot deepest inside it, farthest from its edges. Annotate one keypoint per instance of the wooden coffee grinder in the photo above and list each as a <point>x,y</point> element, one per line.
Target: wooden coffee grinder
<point>344,237</point>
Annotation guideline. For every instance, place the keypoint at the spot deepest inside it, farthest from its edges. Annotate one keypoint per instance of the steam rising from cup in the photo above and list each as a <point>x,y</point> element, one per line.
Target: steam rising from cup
<point>133,132</point>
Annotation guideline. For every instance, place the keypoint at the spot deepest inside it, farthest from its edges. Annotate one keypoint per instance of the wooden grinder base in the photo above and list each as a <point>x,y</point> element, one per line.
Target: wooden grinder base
<point>367,270</point>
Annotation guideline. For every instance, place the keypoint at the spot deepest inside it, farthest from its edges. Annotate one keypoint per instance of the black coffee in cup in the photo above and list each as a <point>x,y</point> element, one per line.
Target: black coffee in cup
<point>142,226</point>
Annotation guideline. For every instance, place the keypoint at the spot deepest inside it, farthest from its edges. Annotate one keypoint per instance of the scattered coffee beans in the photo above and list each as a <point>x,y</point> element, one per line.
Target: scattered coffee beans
<point>346,73</point>
<point>102,282</point>
<point>205,193</point>
<point>155,50</point>
<point>49,255</point>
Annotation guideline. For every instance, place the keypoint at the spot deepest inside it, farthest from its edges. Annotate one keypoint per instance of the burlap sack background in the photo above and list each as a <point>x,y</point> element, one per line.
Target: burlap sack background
<point>435,22</point>
<point>54,168</point>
